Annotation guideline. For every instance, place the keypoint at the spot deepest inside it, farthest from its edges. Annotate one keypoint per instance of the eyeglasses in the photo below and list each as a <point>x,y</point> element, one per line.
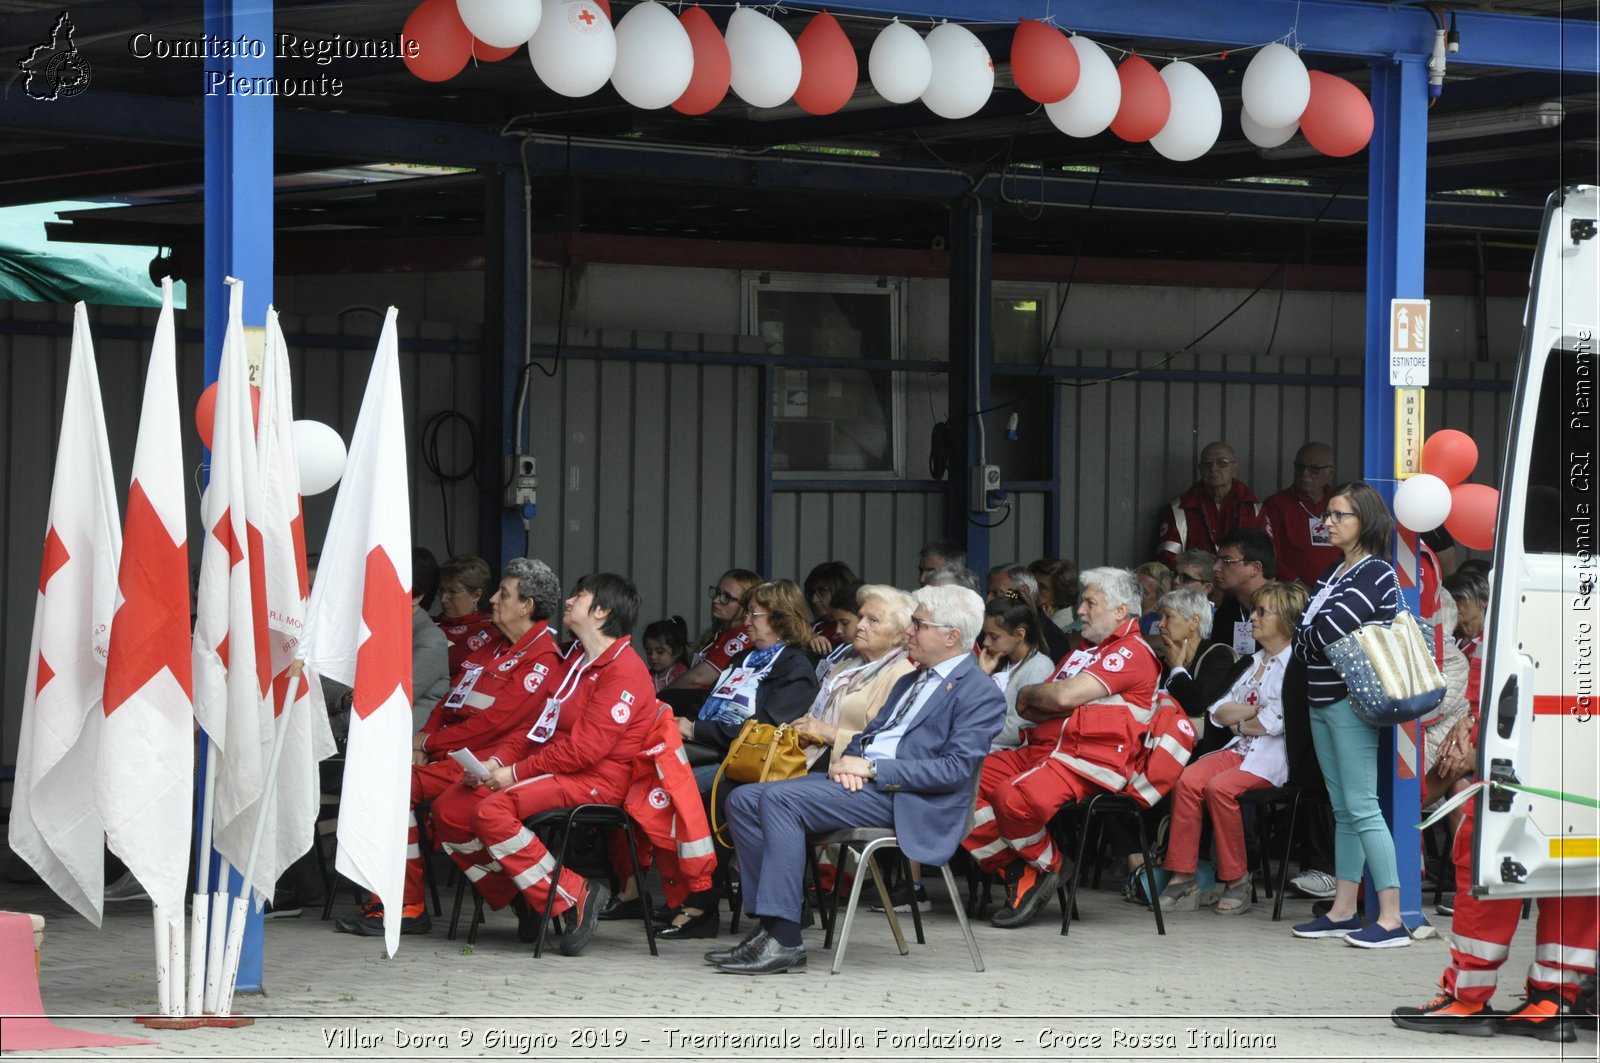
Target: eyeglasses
<point>919,623</point>
<point>1261,610</point>
<point>1215,463</point>
<point>753,615</point>
<point>1230,560</point>
<point>1186,579</point>
<point>721,596</point>
<point>1337,516</point>
<point>1301,466</point>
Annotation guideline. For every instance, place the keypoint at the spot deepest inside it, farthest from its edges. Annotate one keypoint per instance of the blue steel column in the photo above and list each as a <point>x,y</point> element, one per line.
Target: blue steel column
<point>238,236</point>
<point>1396,205</point>
<point>501,533</point>
<point>971,357</point>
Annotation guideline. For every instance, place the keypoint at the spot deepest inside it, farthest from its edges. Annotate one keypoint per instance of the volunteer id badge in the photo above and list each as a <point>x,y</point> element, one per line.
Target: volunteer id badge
<point>1244,643</point>
<point>463,687</point>
<point>1319,532</point>
<point>546,724</point>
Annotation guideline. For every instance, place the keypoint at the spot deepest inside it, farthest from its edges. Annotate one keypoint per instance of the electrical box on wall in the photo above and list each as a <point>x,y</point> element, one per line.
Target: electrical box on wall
<point>985,493</point>
<point>522,481</point>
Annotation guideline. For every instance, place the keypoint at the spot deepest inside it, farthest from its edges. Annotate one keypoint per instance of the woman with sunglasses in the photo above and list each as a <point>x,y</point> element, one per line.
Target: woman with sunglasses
<point>726,638</point>
<point>1361,589</point>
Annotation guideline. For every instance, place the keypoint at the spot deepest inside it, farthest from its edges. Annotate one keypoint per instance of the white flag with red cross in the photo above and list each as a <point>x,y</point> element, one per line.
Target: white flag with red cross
<point>145,781</point>
<point>307,737</point>
<point>358,633</point>
<point>55,824</point>
<point>232,647</point>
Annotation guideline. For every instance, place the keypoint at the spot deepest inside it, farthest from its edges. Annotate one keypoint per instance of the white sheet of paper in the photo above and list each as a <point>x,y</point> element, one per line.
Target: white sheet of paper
<point>469,763</point>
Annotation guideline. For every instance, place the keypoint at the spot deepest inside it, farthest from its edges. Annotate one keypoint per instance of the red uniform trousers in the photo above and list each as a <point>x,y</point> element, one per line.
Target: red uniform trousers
<point>1019,792</point>
<point>1217,780</point>
<point>484,835</point>
<point>1565,937</point>
<point>427,783</point>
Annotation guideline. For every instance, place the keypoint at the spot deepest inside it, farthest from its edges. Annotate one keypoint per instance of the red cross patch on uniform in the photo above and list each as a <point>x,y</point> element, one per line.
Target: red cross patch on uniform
<point>532,681</point>
<point>479,640</point>
<point>659,798</point>
<point>1113,663</point>
<point>621,711</point>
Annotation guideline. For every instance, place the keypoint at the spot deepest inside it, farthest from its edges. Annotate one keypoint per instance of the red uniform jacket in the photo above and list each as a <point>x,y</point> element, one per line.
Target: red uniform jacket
<point>1301,542</point>
<point>466,634</point>
<point>666,804</point>
<point>1193,522</point>
<point>500,699</point>
<point>606,709</point>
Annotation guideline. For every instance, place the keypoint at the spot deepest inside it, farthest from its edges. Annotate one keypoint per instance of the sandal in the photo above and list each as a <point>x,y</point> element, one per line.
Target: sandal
<point>1234,899</point>
<point>1181,896</point>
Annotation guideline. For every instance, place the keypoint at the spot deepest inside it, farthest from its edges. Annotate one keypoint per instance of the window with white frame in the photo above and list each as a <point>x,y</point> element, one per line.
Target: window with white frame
<point>829,418</point>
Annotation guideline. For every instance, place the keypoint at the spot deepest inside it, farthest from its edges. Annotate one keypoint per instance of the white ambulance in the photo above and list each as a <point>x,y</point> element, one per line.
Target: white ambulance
<point>1540,706</point>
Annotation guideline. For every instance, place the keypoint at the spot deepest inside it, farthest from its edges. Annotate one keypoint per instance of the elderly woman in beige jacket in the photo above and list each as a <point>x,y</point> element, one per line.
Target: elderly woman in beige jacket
<point>857,687</point>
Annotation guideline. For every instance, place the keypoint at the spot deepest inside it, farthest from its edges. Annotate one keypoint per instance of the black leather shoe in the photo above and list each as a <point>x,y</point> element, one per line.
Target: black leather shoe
<point>583,917</point>
<point>743,950</point>
<point>371,925</point>
<point>621,909</point>
<point>770,958</point>
<point>708,924</point>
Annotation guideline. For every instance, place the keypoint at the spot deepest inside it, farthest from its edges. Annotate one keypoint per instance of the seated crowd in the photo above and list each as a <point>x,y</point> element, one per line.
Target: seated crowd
<point>1006,698</point>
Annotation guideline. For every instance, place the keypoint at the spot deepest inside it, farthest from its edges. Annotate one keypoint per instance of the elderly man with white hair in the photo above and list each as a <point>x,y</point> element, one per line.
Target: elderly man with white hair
<point>911,769</point>
<point>1085,726</point>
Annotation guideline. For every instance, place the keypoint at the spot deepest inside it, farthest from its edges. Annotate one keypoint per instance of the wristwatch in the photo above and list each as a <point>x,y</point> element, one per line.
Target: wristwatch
<point>872,770</point>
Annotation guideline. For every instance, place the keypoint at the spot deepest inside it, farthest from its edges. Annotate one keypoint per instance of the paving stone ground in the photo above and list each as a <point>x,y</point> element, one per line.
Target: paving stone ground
<point>1215,987</point>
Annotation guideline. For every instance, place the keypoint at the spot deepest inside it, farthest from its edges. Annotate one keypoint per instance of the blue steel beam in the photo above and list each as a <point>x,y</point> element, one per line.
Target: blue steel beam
<point>971,358</point>
<point>1397,192</point>
<point>238,243</point>
<point>1329,27</point>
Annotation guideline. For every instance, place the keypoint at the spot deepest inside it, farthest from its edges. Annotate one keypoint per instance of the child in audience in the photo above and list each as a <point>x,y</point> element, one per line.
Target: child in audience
<point>666,649</point>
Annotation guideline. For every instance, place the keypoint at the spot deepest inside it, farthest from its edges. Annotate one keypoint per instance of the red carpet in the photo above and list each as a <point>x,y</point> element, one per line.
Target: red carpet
<point>23,1026</point>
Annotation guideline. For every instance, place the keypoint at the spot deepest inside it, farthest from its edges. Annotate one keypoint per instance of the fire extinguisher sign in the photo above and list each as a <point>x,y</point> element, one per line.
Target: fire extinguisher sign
<point>1408,343</point>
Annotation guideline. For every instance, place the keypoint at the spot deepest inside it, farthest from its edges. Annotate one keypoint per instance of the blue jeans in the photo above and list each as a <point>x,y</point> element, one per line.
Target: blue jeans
<point>1347,750</point>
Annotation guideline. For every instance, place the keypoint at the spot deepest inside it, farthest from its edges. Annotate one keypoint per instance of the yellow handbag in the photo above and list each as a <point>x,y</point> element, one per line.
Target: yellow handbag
<point>762,752</point>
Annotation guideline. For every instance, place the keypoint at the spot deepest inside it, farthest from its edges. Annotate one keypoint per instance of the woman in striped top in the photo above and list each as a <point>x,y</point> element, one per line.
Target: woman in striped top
<point>1360,589</point>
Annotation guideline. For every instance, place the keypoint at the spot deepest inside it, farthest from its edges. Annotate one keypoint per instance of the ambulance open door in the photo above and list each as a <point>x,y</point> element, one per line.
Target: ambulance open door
<point>1539,714</point>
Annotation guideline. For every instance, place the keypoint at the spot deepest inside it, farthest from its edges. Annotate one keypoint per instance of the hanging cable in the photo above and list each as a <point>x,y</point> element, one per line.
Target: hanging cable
<point>428,444</point>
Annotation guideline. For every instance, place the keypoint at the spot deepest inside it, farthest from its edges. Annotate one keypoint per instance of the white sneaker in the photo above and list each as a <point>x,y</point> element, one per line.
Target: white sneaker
<point>126,888</point>
<point>1318,884</point>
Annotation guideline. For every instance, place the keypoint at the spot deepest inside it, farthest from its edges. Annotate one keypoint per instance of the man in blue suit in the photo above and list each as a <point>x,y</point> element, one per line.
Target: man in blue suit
<point>911,769</point>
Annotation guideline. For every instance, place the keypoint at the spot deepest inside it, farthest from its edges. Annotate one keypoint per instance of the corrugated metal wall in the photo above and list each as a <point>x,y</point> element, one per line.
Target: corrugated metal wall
<point>877,533</point>
<point>649,470</point>
<point>329,381</point>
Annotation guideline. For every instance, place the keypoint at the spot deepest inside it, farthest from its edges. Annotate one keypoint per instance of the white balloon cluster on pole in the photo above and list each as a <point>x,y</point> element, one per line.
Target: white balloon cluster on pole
<point>1196,115</point>
<point>899,65</point>
<point>1276,89</point>
<point>963,72</point>
<point>501,23</point>
<point>766,62</point>
<point>575,49</point>
<point>1422,503</point>
<point>655,58</point>
<point>1262,136</point>
<point>1090,107</point>
<point>320,454</point>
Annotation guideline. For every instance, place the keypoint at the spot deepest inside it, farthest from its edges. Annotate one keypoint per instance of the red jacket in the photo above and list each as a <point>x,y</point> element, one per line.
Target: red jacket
<point>1193,522</point>
<point>1295,524</point>
<point>500,699</point>
<point>466,635</point>
<point>606,710</point>
<point>666,804</point>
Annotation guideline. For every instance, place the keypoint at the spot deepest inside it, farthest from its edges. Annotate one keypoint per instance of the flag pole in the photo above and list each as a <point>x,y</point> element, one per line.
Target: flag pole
<point>164,1003</point>
<point>230,962</point>
<point>218,932</point>
<point>200,913</point>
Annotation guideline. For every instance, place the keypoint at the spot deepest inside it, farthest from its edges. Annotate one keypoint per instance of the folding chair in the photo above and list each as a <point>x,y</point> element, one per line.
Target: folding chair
<point>1105,805</point>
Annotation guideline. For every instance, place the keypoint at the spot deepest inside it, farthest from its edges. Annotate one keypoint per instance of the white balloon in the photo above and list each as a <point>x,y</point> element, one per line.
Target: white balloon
<point>899,65</point>
<point>575,48</point>
<point>1262,136</point>
<point>963,72</point>
<point>1089,107</point>
<point>764,58</point>
<point>501,23</point>
<point>1196,116</point>
<point>655,58</point>
<point>1276,87</point>
<point>1422,502</point>
<point>320,454</point>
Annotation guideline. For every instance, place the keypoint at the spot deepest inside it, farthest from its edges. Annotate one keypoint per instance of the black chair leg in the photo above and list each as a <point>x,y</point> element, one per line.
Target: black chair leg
<point>560,852</point>
<point>328,883</point>
<point>477,917</point>
<point>425,847</point>
<point>838,881</point>
<point>455,911</point>
<point>1071,906</point>
<point>1283,863</point>
<point>1150,873</point>
<point>916,911</point>
<point>644,894</point>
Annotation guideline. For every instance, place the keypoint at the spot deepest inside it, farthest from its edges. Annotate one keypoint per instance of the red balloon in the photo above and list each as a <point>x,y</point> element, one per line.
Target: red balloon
<point>1473,508</point>
<point>1449,455</point>
<point>444,44</point>
<point>1338,118</point>
<point>828,68</point>
<point>205,411</point>
<point>1044,63</point>
<point>488,53</point>
<point>712,67</point>
<point>1146,103</point>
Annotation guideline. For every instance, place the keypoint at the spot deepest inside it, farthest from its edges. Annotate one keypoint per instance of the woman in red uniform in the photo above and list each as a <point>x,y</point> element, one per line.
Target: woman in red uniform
<point>728,637</point>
